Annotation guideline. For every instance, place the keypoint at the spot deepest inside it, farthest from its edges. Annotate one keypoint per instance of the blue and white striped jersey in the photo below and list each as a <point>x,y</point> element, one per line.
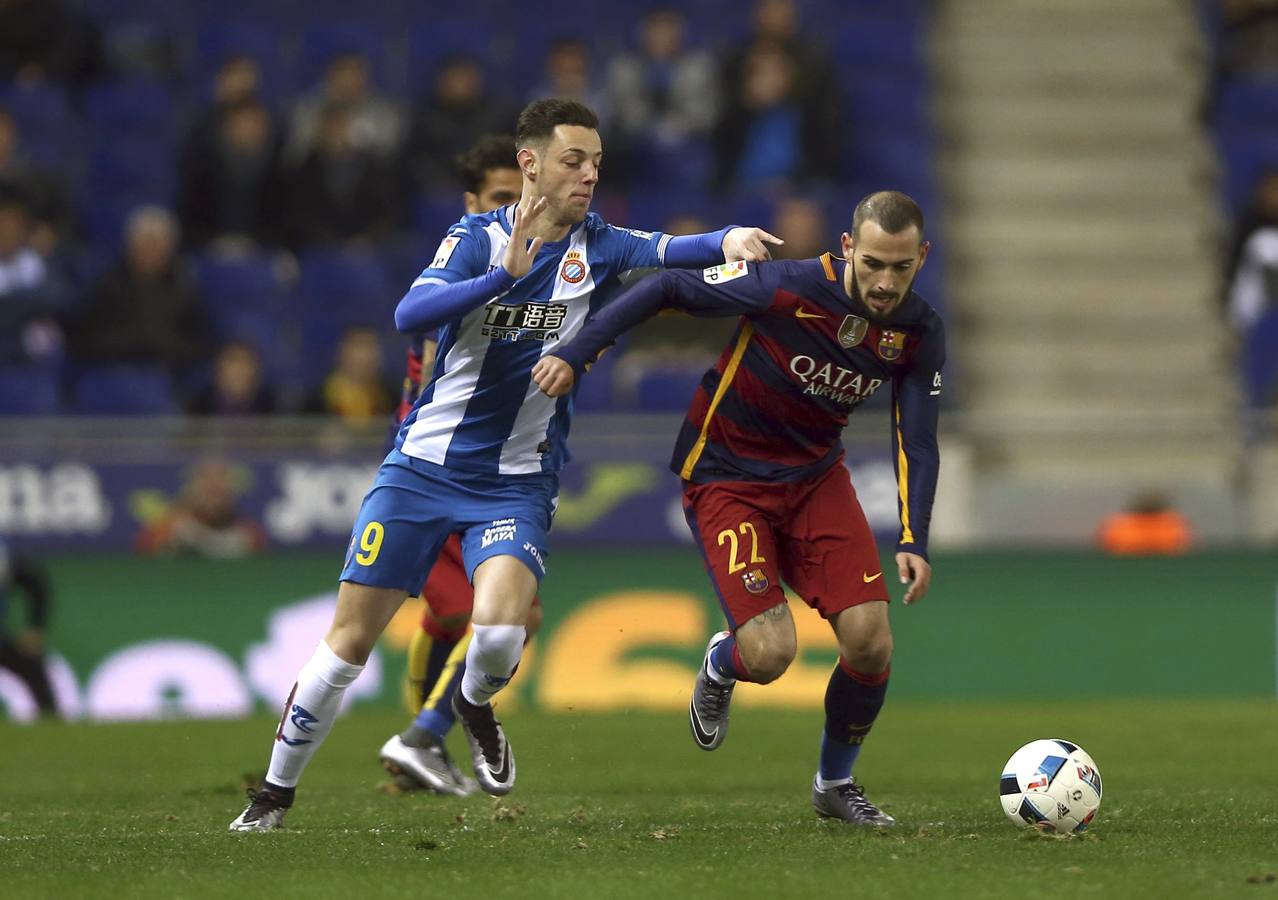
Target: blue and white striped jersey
<point>481,411</point>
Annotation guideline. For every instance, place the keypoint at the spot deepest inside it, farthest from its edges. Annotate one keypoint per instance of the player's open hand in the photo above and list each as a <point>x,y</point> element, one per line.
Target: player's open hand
<point>554,376</point>
<point>750,244</point>
<point>916,572</point>
<point>519,255</point>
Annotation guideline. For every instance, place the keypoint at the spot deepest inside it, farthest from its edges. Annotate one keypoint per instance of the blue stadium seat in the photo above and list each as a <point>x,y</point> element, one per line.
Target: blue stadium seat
<point>124,391</point>
<point>49,130</point>
<point>1260,362</point>
<point>336,290</point>
<point>131,165</point>
<point>668,389</point>
<point>266,44</point>
<point>321,44</point>
<point>136,107</point>
<point>1243,102</point>
<point>892,40</point>
<point>1246,154</point>
<point>29,391</point>
<point>244,298</point>
<point>431,42</point>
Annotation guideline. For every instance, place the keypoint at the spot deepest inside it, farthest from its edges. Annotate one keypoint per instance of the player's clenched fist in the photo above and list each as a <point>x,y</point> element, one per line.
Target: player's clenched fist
<point>519,255</point>
<point>553,376</point>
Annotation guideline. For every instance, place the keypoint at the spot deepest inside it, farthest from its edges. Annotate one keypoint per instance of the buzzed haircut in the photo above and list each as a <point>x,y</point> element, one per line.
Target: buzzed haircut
<point>491,151</point>
<point>538,120</point>
<point>890,210</point>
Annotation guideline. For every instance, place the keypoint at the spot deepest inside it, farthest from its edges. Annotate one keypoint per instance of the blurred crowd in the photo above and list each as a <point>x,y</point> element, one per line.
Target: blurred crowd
<point>146,193</point>
<point>1243,114</point>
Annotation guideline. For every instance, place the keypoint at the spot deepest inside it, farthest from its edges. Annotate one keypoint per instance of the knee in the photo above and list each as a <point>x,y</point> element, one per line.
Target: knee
<point>769,661</point>
<point>352,642</point>
<point>870,653</point>
<point>535,617</point>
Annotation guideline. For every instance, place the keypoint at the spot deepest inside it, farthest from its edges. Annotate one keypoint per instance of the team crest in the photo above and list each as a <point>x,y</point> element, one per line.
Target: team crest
<point>573,270</point>
<point>755,581</point>
<point>852,331</point>
<point>891,345</point>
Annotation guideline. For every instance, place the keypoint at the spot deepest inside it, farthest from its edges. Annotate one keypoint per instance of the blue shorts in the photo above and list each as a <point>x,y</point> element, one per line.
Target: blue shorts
<point>415,505</point>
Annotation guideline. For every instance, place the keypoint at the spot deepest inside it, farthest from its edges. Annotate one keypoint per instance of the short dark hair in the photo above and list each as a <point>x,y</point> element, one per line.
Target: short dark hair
<point>890,210</point>
<point>538,120</point>
<point>491,151</point>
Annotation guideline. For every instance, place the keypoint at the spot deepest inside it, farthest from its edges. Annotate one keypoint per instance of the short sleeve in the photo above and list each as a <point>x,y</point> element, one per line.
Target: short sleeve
<point>462,254</point>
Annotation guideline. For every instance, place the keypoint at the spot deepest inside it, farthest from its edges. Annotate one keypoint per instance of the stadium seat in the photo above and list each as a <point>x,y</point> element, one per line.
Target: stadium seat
<point>668,389</point>
<point>336,290</point>
<point>50,132</point>
<point>29,391</point>
<point>1245,102</point>
<point>124,391</point>
<point>266,44</point>
<point>132,165</point>
<point>245,300</point>
<point>324,42</point>
<point>1245,154</point>
<point>1260,362</point>
<point>139,107</point>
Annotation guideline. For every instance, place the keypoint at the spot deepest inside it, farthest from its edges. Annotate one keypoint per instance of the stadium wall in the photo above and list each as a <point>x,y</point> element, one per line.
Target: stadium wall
<point>138,638</point>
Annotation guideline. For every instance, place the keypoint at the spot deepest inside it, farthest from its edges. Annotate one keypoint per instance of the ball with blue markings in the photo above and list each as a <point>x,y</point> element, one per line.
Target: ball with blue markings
<point>1052,785</point>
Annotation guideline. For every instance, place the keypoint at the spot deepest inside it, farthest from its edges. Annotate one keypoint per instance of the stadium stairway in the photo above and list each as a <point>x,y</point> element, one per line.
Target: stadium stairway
<point>1082,236</point>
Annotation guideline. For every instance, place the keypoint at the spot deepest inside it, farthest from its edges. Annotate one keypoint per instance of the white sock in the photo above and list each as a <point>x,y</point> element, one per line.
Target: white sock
<point>491,659</point>
<point>823,785</point>
<point>309,713</point>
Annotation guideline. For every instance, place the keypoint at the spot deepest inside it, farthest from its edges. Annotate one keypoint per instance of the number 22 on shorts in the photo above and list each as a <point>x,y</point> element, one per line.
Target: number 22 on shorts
<point>370,544</point>
<point>729,535</point>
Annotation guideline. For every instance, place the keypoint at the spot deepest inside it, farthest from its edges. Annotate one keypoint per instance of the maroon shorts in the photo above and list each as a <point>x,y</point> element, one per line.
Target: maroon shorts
<point>810,534</point>
<point>448,592</point>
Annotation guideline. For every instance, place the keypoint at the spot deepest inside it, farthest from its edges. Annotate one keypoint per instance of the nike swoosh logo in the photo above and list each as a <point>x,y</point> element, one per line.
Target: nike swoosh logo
<point>868,578</point>
<point>800,314</point>
<point>502,775</point>
<point>703,737</point>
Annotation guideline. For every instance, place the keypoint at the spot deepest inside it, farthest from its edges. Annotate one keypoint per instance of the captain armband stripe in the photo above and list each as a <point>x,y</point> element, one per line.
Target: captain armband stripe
<point>661,247</point>
<point>420,281</point>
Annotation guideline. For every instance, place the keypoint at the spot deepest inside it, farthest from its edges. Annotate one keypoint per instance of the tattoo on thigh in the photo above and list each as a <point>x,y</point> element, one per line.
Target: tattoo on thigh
<point>777,612</point>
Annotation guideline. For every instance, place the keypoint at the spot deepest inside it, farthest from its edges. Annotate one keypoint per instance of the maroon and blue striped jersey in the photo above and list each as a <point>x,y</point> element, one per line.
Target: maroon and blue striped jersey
<point>804,356</point>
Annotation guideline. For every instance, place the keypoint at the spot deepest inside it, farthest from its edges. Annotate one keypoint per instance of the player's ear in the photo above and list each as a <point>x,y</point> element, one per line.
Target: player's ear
<point>471,202</point>
<point>847,245</point>
<point>527,160</point>
<point>923,248</point>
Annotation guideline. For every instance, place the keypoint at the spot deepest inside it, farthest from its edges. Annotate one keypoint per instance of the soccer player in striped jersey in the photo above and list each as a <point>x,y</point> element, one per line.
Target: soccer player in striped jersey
<point>417,757</point>
<point>480,452</point>
<point>766,493</point>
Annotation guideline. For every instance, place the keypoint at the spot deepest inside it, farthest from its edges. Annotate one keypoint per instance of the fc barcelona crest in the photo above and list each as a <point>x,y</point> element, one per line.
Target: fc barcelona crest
<point>755,581</point>
<point>891,345</point>
<point>852,331</point>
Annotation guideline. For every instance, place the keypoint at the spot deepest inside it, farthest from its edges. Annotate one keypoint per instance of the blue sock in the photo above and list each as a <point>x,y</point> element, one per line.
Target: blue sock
<point>852,703</point>
<point>437,722</point>
<point>837,759</point>
<point>721,659</point>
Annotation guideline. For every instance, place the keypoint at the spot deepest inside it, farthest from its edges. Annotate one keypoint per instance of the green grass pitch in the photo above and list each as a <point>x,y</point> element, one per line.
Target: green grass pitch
<point>622,806</point>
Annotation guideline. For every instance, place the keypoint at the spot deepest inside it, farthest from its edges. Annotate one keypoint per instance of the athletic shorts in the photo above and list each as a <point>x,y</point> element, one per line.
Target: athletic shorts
<point>448,592</point>
<point>810,534</point>
<point>415,505</point>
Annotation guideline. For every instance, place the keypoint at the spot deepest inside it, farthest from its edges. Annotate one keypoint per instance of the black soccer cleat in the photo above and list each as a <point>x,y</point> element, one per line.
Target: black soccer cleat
<point>847,802</point>
<point>265,811</point>
<point>489,750</point>
<point>708,708</point>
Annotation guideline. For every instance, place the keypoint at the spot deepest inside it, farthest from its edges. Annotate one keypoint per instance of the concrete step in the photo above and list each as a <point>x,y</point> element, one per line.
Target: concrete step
<point>1027,321</point>
<point>980,202</point>
<point>1093,173</point>
<point>1088,240</point>
<point>1068,115</point>
<point>1091,348</point>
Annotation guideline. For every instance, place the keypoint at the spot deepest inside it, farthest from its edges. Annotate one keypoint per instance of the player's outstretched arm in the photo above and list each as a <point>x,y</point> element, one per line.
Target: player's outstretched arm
<point>696,251</point>
<point>750,244</point>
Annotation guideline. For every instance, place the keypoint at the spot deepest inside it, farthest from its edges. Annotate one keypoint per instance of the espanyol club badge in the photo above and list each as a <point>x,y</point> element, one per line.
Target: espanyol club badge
<point>573,270</point>
<point>852,331</point>
<point>755,581</point>
<point>891,345</point>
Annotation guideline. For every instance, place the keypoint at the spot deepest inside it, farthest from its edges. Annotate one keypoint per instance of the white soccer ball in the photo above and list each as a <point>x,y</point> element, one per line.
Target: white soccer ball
<point>1051,784</point>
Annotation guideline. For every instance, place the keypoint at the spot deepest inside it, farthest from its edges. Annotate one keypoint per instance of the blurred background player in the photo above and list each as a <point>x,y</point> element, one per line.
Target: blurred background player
<point>481,450</point>
<point>22,651</point>
<point>766,493</point>
<point>417,757</point>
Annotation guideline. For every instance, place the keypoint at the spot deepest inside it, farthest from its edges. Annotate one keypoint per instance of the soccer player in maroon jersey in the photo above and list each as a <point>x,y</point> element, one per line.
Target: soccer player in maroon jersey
<point>417,757</point>
<point>765,489</point>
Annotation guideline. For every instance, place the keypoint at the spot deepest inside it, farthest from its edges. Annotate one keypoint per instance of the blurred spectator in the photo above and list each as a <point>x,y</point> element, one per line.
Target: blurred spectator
<point>46,40</point>
<point>1261,212</point>
<point>204,519</point>
<point>1253,293</point>
<point>357,388</point>
<point>1149,526</point>
<point>376,122</point>
<point>146,309</point>
<point>1249,41</point>
<point>801,224</point>
<point>662,96</point>
<point>768,134</point>
<point>23,653</point>
<point>777,22</point>
<point>237,387</point>
<point>567,75</point>
<point>44,194</point>
<point>232,186</point>
<point>238,78</point>
<point>448,119</point>
<point>342,192</point>
<point>32,295</point>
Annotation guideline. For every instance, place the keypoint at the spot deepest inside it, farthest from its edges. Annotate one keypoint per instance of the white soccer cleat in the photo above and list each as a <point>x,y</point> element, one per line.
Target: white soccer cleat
<point>430,767</point>
<point>265,812</point>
